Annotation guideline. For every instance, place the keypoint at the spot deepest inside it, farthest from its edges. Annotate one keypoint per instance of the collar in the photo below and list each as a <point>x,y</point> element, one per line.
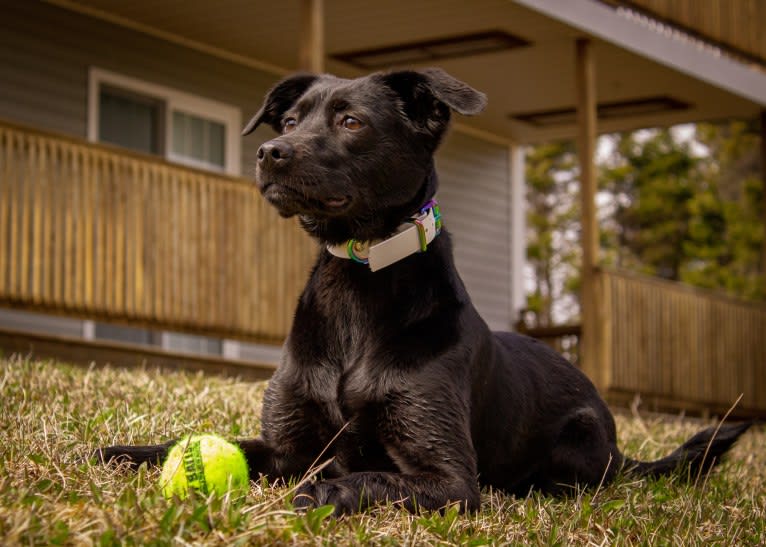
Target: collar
<point>411,237</point>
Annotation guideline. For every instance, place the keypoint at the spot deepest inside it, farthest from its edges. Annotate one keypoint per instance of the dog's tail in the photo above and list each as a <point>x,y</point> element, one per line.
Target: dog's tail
<point>695,457</point>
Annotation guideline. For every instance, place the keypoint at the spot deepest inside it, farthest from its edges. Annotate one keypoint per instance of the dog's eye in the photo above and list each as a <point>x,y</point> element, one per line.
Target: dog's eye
<point>289,125</point>
<point>351,123</point>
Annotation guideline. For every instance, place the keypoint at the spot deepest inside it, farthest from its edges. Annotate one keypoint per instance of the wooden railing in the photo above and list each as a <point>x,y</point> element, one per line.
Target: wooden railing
<point>98,232</point>
<point>679,345</point>
<point>737,25</point>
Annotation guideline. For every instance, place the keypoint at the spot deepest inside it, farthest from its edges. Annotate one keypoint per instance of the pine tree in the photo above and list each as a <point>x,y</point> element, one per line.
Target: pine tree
<point>651,178</point>
<point>727,237</point>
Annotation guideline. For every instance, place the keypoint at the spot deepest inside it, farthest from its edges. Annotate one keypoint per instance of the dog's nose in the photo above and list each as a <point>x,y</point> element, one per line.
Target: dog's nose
<point>275,152</point>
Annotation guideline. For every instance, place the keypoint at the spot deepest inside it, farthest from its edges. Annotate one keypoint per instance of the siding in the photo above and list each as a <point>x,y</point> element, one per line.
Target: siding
<point>45,53</point>
<point>474,195</point>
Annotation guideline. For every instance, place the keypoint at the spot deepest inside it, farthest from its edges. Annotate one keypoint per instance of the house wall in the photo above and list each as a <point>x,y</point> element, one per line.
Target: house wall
<point>475,203</point>
<point>46,51</point>
<point>45,55</point>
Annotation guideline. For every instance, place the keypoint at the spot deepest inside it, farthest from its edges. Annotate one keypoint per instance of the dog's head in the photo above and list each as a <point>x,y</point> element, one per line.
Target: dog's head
<point>355,157</point>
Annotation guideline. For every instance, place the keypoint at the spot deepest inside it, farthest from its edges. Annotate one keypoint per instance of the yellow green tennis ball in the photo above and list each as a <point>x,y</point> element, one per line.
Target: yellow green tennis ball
<point>206,464</point>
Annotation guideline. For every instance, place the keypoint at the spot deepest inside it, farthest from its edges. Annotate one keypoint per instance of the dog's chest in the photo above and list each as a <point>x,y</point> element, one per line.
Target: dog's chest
<point>352,314</point>
<point>358,331</point>
<point>353,345</point>
<point>353,357</point>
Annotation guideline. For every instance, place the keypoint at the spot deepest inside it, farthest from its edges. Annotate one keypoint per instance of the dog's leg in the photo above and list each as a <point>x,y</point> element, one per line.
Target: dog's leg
<point>261,458</point>
<point>133,455</point>
<point>585,454</point>
<point>426,433</point>
<point>357,491</point>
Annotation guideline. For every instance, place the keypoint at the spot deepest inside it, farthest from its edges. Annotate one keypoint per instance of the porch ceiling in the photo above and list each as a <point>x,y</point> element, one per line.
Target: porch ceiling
<point>537,77</point>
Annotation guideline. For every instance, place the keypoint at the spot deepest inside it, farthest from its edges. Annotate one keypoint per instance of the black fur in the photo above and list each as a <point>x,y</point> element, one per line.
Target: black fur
<point>429,401</point>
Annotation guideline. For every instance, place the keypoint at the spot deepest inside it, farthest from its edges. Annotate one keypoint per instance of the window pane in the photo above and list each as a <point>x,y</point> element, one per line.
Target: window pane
<point>216,141</point>
<point>121,333</point>
<point>129,120</point>
<point>197,137</point>
<point>180,141</point>
<point>175,341</point>
<point>198,141</point>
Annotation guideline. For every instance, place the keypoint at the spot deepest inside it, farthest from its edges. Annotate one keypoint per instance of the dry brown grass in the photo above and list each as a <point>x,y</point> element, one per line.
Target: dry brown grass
<point>51,415</point>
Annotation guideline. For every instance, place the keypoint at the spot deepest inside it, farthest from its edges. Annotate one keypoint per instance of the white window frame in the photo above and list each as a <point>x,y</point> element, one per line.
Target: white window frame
<point>174,99</point>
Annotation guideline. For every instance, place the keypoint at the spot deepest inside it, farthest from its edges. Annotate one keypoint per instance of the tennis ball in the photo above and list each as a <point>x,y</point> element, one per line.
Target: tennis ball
<point>207,464</point>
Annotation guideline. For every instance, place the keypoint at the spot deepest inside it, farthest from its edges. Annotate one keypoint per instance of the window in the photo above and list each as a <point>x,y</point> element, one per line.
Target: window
<point>198,141</point>
<point>130,120</point>
<point>155,119</point>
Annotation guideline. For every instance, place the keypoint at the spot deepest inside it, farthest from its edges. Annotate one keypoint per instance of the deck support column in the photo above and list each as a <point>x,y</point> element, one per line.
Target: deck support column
<point>592,341</point>
<point>311,54</point>
<point>763,182</point>
<point>516,157</point>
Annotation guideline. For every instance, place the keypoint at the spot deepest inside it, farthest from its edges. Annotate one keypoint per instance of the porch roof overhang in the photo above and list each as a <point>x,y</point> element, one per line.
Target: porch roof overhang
<point>635,61</point>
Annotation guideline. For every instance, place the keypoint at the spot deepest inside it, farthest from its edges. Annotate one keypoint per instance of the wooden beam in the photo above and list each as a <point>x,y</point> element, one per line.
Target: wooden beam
<point>311,54</point>
<point>763,182</point>
<point>594,337</point>
<point>518,248</point>
<point>586,147</point>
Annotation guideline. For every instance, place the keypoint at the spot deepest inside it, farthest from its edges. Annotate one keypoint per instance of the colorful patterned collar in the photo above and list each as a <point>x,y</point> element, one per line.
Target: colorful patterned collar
<point>411,237</point>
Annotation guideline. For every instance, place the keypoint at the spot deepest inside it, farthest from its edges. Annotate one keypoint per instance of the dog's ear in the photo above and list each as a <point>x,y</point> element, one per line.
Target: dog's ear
<point>428,96</point>
<point>459,96</point>
<point>281,97</point>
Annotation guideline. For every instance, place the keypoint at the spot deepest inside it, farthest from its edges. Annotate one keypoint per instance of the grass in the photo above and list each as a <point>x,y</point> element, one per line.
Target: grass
<point>52,414</point>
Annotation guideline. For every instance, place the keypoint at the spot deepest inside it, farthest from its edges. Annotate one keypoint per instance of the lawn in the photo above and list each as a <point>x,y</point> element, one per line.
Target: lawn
<point>52,415</point>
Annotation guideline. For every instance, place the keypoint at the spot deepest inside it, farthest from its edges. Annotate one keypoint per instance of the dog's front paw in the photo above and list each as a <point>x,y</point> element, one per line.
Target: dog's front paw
<point>109,455</point>
<point>344,498</point>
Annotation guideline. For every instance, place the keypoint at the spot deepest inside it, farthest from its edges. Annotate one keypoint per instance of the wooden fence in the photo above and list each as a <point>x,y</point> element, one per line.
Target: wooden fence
<point>98,232</point>
<point>679,346</point>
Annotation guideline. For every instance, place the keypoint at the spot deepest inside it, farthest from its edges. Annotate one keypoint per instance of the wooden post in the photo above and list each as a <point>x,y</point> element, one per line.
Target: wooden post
<point>763,182</point>
<point>586,147</point>
<point>311,54</point>
<point>592,321</point>
<point>518,249</point>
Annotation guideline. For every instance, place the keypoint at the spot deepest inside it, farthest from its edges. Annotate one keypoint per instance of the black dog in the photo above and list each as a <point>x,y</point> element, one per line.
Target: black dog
<point>428,402</point>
